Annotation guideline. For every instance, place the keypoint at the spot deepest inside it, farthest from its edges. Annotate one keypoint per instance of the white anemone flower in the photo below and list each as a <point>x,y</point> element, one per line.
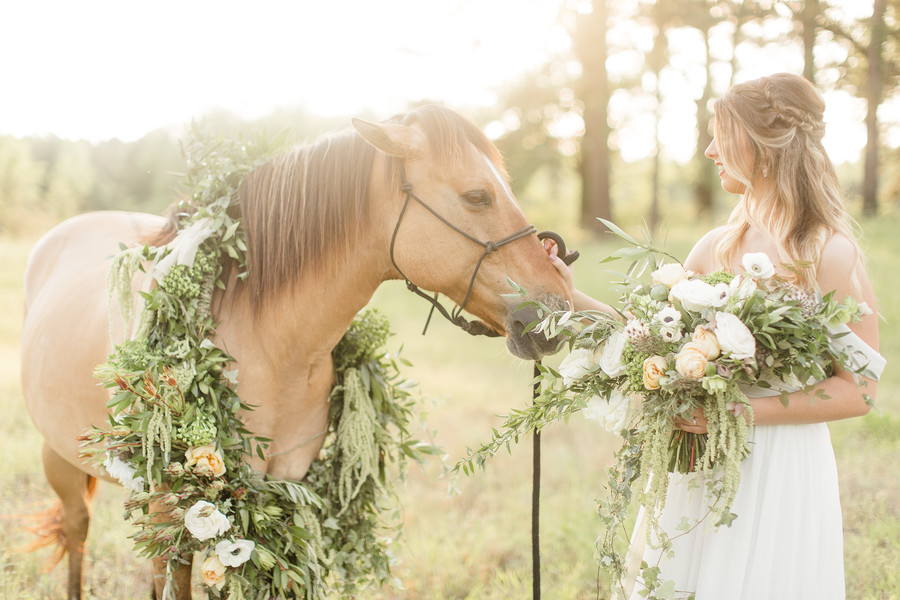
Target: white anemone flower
<point>758,265</point>
<point>236,553</point>
<point>668,316</point>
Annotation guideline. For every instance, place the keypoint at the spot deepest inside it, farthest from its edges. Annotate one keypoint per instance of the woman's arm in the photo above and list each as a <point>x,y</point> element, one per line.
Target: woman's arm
<point>844,397</point>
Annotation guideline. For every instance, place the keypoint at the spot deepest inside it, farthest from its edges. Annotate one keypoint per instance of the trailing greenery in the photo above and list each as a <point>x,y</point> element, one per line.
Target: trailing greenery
<point>175,437</point>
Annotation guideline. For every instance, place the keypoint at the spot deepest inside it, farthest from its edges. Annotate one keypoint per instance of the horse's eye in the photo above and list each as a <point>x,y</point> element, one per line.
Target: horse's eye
<point>477,198</point>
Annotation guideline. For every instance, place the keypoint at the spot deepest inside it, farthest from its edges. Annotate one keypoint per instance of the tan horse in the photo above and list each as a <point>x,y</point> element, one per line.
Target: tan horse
<point>321,224</point>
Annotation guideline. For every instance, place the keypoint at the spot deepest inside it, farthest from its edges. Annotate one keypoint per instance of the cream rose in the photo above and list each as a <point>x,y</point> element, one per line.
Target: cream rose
<point>613,413</point>
<point>611,354</point>
<point>576,365</point>
<point>654,368</point>
<point>758,265</point>
<point>205,460</point>
<point>706,340</point>
<point>204,521</point>
<point>213,572</point>
<point>691,361</point>
<point>734,337</point>
<point>696,294</point>
<point>669,274</point>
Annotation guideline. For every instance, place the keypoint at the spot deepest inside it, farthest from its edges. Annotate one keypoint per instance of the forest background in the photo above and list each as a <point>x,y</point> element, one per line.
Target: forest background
<point>613,124</point>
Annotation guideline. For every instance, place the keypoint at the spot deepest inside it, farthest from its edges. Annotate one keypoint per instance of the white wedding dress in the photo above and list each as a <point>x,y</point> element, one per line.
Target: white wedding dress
<point>787,541</point>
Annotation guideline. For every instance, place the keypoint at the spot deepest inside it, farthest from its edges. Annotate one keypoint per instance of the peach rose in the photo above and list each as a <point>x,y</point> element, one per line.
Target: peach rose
<point>707,341</point>
<point>691,361</point>
<point>206,460</point>
<point>654,368</point>
<point>213,572</point>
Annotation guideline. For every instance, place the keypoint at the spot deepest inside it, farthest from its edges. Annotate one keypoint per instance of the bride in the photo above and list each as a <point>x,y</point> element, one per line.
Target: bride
<point>787,542</point>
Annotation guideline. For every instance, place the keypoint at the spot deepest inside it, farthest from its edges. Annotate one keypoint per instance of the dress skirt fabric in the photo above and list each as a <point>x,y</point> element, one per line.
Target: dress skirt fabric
<point>787,541</point>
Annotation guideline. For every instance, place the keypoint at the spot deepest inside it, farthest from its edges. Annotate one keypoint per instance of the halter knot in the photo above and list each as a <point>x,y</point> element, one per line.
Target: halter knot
<point>406,187</point>
<point>490,247</point>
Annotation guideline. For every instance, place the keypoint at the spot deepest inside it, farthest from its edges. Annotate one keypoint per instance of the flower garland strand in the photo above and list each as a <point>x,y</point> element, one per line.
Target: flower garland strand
<point>174,438</point>
<point>688,343</point>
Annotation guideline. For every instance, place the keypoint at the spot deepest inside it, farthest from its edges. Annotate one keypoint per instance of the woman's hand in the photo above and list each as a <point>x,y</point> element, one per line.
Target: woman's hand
<point>568,274</point>
<point>695,424</point>
<point>580,300</point>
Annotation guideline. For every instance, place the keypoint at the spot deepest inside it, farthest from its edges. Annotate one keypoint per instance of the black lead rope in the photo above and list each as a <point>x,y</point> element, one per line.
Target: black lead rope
<point>479,328</point>
<point>536,498</point>
<point>567,258</point>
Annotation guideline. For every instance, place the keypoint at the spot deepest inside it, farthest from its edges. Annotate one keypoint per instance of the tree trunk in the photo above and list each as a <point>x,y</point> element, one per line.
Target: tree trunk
<point>591,49</point>
<point>703,171</point>
<point>736,39</point>
<point>873,97</point>
<point>808,15</point>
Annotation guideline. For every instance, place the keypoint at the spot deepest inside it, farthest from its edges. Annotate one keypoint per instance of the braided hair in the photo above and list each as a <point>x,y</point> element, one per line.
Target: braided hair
<point>772,127</point>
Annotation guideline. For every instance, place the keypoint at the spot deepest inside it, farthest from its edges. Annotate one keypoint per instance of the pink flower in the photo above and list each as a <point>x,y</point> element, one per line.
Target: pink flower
<point>736,408</point>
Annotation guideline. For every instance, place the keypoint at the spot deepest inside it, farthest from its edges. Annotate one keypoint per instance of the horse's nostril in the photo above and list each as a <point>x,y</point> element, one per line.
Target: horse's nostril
<point>525,338</point>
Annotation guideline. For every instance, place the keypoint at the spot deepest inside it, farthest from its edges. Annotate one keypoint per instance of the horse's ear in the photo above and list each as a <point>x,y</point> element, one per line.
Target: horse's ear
<point>393,139</point>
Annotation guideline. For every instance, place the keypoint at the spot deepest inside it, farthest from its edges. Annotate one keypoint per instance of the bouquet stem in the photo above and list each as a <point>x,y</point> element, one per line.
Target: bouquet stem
<point>685,449</point>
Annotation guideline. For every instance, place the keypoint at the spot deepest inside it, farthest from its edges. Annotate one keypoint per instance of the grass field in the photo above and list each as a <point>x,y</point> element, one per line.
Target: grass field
<point>475,544</point>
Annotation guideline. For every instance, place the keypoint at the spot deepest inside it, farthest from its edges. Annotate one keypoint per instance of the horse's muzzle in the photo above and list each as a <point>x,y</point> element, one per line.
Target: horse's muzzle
<point>530,345</point>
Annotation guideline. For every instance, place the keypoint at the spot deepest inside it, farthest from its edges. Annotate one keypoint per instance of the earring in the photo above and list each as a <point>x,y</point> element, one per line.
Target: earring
<point>765,172</point>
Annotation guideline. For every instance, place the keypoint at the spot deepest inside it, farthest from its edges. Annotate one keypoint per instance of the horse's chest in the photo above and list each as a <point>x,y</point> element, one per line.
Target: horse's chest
<point>292,410</point>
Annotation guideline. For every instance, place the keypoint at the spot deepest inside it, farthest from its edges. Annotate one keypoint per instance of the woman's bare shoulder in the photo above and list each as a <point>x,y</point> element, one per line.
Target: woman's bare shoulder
<point>840,258</point>
<point>702,256</point>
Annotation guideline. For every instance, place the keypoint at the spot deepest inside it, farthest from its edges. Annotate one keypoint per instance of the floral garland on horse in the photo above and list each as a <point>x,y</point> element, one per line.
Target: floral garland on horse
<point>175,440</point>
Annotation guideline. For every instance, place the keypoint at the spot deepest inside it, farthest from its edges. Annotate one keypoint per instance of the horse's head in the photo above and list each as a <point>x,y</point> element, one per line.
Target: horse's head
<point>455,225</point>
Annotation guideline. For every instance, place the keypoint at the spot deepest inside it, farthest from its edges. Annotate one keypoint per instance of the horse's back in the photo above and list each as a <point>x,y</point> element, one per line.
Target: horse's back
<point>66,330</point>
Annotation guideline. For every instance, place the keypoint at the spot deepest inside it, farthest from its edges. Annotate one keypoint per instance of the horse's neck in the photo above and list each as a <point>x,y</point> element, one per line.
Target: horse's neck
<point>283,353</point>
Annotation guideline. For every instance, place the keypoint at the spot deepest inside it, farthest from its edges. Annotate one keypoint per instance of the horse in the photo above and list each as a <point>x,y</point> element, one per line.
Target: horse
<point>325,224</point>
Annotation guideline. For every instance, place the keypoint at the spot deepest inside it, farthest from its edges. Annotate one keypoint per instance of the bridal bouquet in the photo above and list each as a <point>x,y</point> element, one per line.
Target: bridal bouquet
<point>690,346</point>
<point>686,345</point>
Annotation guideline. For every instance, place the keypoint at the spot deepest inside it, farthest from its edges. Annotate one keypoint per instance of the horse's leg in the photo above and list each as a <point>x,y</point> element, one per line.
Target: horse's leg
<point>75,489</point>
<point>181,581</point>
<point>181,578</point>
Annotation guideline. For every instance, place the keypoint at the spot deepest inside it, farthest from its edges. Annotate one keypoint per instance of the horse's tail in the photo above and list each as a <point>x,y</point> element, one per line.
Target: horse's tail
<point>46,525</point>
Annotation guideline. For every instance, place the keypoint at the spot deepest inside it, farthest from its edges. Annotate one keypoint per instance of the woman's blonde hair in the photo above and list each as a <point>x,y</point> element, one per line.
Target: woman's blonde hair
<point>779,118</point>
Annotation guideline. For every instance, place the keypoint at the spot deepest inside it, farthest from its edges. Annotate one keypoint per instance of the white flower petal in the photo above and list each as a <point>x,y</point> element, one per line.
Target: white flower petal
<point>234,553</point>
<point>758,265</point>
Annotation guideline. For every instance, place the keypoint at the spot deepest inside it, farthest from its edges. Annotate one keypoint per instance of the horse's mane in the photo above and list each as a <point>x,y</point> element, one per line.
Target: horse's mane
<point>310,202</point>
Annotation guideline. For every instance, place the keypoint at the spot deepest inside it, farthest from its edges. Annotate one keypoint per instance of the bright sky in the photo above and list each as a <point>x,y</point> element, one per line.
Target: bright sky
<point>97,69</point>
